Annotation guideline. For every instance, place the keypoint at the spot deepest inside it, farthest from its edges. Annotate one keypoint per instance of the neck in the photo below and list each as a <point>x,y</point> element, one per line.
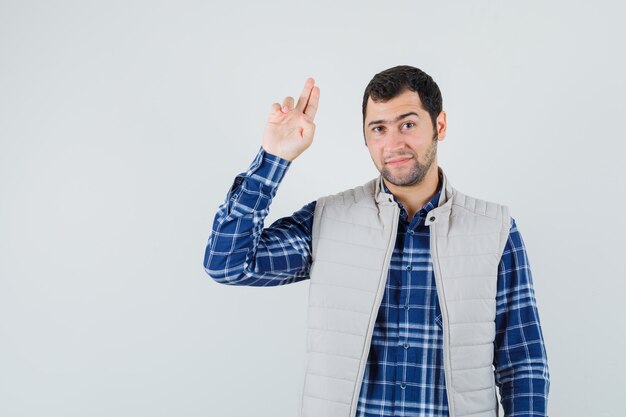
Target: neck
<point>414,197</point>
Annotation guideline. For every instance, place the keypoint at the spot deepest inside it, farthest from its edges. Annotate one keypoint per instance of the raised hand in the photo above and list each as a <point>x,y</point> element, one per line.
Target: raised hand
<point>289,130</point>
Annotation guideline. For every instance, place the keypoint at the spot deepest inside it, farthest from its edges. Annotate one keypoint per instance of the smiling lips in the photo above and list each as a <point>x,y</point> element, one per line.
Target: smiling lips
<point>397,161</point>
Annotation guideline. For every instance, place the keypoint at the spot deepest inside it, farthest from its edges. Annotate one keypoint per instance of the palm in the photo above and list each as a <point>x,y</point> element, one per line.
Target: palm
<point>290,129</point>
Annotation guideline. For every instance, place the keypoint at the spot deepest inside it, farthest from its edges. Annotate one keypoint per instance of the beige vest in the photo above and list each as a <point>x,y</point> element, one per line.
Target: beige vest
<point>354,233</point>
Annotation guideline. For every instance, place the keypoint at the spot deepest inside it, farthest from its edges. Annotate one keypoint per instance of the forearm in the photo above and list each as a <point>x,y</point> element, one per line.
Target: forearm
<point>240,251</point>
<point>524,379</point>
<point>524,389</point>
<point>520,356</point>
<point>522,373</point>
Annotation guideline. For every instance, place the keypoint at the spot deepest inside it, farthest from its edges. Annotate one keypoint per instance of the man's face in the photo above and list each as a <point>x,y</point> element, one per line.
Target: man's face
<point>401,139</point>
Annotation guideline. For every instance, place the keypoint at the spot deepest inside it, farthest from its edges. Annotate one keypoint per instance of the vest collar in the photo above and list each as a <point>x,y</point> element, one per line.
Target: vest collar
<point>435,215</point>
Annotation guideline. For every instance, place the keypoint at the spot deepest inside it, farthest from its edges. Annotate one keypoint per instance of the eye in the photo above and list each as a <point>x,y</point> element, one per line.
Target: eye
<point>377,129</point>
<point>408,125</point>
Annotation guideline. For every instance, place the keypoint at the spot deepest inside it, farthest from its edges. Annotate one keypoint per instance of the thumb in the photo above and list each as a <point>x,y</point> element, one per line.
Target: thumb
<point>308,130</point>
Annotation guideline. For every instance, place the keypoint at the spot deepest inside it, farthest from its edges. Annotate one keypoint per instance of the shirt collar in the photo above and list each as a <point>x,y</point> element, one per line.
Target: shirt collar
<point>431,204</point>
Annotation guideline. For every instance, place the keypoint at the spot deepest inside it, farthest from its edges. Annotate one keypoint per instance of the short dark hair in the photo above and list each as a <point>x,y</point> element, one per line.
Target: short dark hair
<point>394,81</point>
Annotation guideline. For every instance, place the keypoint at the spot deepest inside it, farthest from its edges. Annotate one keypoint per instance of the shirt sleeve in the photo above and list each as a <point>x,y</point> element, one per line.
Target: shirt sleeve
<point>239,250</point>
<point>520,360</point>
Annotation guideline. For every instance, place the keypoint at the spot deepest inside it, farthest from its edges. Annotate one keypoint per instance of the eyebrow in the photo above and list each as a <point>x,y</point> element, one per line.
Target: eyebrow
<point>402,116</point>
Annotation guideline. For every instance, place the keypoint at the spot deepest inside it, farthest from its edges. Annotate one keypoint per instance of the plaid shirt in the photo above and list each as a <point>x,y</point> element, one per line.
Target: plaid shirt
<point>404,374</point>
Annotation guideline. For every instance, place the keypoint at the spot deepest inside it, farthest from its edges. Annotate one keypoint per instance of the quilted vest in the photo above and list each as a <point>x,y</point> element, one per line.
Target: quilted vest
<point>353,238</point>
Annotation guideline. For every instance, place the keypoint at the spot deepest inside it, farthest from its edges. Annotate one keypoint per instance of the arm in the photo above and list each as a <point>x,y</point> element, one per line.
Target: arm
<point>240,251</point>
<point>520,357</point>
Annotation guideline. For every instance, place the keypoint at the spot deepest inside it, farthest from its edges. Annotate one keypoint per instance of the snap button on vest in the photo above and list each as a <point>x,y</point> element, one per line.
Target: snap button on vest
<point>432,218</point>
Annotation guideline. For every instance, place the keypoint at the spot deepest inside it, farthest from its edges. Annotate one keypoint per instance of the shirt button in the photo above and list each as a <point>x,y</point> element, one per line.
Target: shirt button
<point>432,218</point>
<point>406,307</point>
<point>411,232</point>
<point>403,385</point>
<point>408,268</point>
<point>406,345</point>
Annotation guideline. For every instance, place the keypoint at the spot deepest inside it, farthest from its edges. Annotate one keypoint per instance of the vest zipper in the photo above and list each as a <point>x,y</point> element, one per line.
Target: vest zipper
<point>434,255</point>
<point>374,314</point>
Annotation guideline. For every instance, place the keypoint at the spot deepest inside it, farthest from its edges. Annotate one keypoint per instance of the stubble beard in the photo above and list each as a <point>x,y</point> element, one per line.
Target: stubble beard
<point>417,171</point>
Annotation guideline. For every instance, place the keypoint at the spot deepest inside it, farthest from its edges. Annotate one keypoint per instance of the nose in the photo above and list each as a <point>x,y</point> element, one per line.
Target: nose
<point>395,140</point>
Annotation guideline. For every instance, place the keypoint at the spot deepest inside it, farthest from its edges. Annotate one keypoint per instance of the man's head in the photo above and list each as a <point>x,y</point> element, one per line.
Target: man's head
<point>391,82</point>
<point>402,122</point>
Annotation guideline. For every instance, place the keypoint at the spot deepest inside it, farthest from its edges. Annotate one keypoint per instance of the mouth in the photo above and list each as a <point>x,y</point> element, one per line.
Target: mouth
<point>398,161</point>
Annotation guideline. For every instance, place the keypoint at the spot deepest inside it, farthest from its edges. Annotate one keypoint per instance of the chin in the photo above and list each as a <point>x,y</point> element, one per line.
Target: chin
<point>405,182</point>
<point>410,178</point>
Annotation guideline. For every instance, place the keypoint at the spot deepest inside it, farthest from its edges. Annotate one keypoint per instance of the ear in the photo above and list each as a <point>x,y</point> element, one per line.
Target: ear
<point>442,125</point>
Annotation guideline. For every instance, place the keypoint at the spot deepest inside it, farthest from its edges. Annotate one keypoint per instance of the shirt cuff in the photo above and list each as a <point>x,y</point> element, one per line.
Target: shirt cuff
<point>268,169</point>
<point>264,175</point>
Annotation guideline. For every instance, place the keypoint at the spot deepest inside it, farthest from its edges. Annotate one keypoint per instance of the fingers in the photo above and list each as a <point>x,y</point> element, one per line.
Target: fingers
<point>307,102</point>
<point>288,103</point>
<point>275,108</point>
<point>311,107</point>
<point>286,107</point>
<point>304,96</point>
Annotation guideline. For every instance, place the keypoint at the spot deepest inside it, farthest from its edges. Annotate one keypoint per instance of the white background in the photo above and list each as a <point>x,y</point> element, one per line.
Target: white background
<point>124,123</point>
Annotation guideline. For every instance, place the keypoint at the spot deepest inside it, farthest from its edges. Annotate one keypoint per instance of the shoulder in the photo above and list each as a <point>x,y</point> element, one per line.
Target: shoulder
<point>360,195</point>
<point>352,206</point>
<point>481,216</point>
<point>466,204</point>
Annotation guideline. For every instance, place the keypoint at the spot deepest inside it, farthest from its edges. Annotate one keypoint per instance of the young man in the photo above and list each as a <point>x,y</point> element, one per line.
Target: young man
<point>421,298</point>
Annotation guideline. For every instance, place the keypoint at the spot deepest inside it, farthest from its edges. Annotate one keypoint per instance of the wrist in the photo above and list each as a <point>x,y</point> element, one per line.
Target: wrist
<point>284,157</point>
<point>268,169</point>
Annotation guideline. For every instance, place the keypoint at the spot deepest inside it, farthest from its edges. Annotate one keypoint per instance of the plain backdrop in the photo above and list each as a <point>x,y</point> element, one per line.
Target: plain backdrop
<point>124,123</point>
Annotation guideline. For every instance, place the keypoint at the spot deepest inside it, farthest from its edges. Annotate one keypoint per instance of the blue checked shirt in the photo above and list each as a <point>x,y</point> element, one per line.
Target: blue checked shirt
<point>404,374</point>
